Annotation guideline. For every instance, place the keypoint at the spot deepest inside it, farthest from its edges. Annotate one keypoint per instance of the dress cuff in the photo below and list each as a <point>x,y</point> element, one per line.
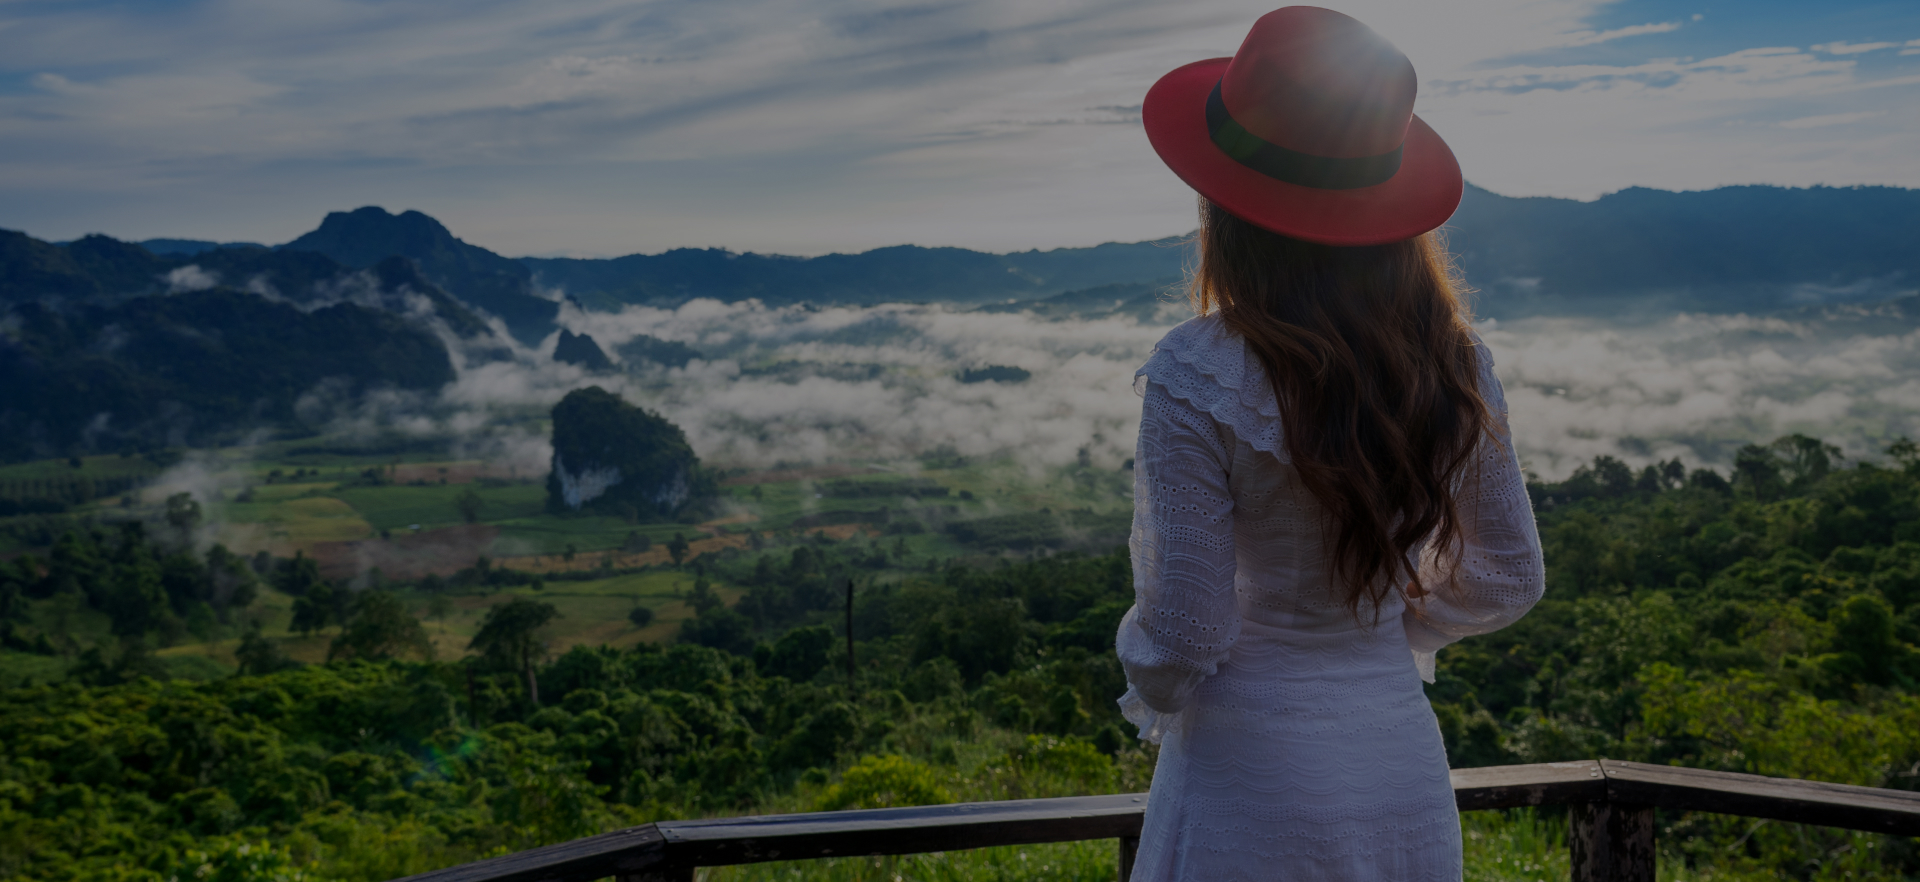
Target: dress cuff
<point>1153,725</point>
<point>1424,663</point>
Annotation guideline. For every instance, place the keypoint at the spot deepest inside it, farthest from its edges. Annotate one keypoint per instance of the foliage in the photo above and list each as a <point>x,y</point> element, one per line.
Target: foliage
<point>205,365</point>
<point>508,637</point>
<point>381,628</point>
<point>1763,624</point>
<point>469,503</point>
<point>151,589</point>
<point>884,782</point>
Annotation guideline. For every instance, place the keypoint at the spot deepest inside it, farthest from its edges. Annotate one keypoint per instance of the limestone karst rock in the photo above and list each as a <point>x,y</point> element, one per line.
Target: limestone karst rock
<point>613,457</point>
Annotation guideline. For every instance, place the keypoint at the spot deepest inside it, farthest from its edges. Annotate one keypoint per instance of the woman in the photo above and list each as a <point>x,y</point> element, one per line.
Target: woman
<point>1325,492</point>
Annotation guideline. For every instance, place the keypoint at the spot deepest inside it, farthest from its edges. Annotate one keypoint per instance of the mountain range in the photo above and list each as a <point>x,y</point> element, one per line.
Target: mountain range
<point>101,326</point>
<point>1731,249</point>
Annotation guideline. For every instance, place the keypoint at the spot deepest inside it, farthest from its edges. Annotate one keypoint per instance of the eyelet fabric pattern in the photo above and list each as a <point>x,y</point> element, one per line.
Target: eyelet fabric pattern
<point>1295,741</point>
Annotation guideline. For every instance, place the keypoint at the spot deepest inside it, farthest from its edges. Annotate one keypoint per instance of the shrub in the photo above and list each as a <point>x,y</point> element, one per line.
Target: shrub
<point>884,782</point>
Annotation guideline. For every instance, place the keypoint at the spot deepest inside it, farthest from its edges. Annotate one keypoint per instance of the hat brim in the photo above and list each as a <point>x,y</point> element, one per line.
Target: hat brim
<point>1418,198</point>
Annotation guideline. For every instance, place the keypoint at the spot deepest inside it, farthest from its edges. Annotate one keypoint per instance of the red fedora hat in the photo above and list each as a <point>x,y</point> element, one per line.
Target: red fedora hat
<point>1307,131</point>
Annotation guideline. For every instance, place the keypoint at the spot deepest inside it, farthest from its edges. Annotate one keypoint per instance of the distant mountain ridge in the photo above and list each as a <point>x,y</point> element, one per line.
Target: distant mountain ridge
<point>1731,249</point>
<point>1751,249</point>
<point>899,273</point>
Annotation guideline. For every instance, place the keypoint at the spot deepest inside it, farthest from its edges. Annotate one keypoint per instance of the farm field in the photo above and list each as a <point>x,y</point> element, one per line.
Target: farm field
<point>401,516</point>
<point>283,498</point>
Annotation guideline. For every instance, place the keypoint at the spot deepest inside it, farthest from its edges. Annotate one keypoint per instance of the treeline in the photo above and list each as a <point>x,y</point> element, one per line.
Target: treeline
<point>153,589</point>
<point>55,495</point>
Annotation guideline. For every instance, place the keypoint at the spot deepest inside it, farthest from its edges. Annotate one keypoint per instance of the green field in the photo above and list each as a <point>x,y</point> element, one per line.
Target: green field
<point>397,507</point>
<point>285,498</point>
<point>288,496</point>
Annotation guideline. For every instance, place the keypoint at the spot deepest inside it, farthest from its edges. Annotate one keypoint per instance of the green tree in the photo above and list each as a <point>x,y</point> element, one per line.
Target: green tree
<point>258,654</point>
<point>380,628</point>
<point>640,616</point>
<point>1805,460</point>
<point>232,582</point>
<point>508,637</point>
<point>76,566</point>
<point>185,579</point>
<point>297,576</point>
<point>313,610</point>
<point>183,514</point>
<point>136,594</point>
<point>702,598</point>
<point>1756,470</point>
<point>469,504</point>
<point>1904,452</point>
<point>677,548</point>
<point>1865,649</point>
<point>438,606</point>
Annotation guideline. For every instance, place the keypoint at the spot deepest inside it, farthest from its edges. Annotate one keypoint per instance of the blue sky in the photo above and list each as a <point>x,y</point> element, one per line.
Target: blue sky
<point>595,127</point>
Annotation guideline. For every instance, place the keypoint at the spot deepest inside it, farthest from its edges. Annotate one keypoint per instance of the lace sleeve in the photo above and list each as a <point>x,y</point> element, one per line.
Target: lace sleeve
<point>1185,614</point>
<point>1501,573</point>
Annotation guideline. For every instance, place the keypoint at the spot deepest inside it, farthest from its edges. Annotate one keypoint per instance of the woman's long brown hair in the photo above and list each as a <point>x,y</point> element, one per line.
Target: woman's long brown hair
<point>1369,354</point>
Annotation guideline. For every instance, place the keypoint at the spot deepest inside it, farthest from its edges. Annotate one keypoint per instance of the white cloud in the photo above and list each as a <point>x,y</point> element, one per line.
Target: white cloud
<point>190,278</point>
<point>1845,48</point>
<point>1589,38</point>
<point>1831,119</point>
<point>880,383</point>
<point>613,126</point>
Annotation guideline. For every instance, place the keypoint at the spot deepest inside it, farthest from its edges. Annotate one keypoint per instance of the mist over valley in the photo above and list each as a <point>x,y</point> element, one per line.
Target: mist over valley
<point>1643,325</point>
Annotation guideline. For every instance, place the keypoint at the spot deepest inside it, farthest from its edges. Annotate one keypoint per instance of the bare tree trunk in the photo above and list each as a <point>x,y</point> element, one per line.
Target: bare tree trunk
<point>533,686</point>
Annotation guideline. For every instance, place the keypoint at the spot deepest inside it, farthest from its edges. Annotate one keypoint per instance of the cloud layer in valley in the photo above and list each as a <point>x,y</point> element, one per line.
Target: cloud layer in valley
<point>802,384</point>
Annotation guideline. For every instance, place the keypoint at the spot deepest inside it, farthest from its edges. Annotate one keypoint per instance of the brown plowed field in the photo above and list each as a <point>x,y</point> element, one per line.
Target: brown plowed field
<point>441,552</point>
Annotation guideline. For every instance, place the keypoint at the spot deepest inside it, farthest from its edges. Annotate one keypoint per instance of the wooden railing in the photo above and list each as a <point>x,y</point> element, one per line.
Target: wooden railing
<point>1611,832</point>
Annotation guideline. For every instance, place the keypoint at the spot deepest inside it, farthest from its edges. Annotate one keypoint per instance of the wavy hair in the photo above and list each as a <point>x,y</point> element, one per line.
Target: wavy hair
<point>1370,357</point>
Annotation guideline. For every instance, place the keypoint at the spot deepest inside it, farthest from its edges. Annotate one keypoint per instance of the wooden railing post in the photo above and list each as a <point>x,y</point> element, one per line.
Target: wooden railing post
<point>1611,842</point>
<point>1129,847</point>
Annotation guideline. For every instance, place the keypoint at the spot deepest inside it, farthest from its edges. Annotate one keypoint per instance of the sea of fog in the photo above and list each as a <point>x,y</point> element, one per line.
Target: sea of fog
<point>810,384</point>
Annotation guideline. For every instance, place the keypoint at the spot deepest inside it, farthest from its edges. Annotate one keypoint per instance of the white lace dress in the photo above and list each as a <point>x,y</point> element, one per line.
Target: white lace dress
<point>1295,743</point>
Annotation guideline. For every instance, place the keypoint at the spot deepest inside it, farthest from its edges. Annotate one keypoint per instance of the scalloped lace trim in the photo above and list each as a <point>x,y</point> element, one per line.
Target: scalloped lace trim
<point>1204,364</point>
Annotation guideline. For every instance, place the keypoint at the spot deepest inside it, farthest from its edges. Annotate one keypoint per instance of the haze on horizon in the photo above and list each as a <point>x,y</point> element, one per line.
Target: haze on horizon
<point>598,128</point>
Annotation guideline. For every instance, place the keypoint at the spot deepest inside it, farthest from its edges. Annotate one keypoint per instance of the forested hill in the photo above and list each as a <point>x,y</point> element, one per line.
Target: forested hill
<point>195,368</point>
<point>106,346</point>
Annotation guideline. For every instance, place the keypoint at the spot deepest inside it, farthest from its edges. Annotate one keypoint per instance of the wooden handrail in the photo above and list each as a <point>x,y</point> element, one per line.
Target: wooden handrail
<point>1611,834</point>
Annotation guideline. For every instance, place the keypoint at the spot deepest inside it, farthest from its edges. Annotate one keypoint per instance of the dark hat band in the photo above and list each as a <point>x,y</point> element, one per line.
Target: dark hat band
<point>1292,166</point>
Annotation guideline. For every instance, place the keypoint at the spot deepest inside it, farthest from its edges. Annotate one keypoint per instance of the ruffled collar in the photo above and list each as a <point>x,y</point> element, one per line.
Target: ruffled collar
<point>1209,366</point>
